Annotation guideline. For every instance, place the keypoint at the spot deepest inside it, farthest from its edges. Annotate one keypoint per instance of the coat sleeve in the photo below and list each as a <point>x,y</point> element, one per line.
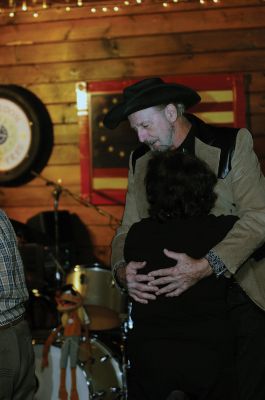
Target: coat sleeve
<point>248,190</point>
<point>130,216</point>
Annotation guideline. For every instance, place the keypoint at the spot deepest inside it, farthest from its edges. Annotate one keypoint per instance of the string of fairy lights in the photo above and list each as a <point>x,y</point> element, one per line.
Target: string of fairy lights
<point>11,8</point>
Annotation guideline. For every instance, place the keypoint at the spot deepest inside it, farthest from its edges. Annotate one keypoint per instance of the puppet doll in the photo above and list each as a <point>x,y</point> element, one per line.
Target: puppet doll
<point>73,319</point>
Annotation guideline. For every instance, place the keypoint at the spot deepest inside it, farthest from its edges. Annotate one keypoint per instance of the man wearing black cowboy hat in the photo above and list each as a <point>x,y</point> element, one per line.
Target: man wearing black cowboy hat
<point>156,111</point>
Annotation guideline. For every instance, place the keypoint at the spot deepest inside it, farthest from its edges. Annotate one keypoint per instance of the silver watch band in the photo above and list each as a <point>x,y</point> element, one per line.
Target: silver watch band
<point>216,263</point>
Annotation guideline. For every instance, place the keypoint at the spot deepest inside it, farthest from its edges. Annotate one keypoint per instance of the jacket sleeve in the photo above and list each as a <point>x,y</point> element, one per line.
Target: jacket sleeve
<point>130,216</point>
<point>248,190</point>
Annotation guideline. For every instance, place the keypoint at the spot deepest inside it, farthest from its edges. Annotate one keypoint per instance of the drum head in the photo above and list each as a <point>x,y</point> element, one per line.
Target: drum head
<point>49,379</point>
<point>101,378</point>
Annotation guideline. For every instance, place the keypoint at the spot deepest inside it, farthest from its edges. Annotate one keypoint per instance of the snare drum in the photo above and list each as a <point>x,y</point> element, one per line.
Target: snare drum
<point>103,300</point>
<point>103,379</point>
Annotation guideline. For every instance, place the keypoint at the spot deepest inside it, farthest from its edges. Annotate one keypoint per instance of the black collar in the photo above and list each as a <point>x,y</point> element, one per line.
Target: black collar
<point>188,145</point>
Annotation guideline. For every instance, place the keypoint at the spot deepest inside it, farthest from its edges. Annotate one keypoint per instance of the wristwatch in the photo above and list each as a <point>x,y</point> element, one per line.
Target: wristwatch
<point>216,263</point>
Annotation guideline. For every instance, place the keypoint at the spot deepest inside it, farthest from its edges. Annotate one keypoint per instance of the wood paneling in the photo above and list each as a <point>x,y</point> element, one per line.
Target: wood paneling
<point>66,133</point>
<point>124,47</point>
<point>50,54</point>
<point>69,174</point>
<point>257,124</point>
<point>257,102</point>
<point>136,25</point>
<point>256,81</point>
<point>53,93</point>
<point>188,63</point>
<point>63,113</point>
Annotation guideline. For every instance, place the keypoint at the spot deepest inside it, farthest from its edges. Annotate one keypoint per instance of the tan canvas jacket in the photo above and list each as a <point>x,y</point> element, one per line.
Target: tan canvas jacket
<point>241,193</point>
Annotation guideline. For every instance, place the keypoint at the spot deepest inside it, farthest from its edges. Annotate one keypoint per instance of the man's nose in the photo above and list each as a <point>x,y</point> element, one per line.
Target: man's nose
<point>141,135</point>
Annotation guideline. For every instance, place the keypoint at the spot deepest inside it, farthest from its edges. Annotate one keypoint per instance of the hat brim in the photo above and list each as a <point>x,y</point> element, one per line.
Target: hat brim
<point>159,94</point>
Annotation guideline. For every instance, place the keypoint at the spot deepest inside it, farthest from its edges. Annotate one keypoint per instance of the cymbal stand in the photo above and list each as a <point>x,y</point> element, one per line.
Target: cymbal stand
<point>56,196</point>
<point>114,222</point>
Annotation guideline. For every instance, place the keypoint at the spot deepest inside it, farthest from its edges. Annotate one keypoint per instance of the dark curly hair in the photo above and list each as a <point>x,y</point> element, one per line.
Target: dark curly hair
<point>179,185</point>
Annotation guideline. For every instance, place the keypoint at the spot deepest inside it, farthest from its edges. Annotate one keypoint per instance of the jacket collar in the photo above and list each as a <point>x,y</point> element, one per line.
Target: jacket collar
<point>208,153</point>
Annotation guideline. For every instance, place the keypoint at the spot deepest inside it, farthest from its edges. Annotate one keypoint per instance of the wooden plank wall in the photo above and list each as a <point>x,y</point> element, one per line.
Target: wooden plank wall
<point>48,55</point>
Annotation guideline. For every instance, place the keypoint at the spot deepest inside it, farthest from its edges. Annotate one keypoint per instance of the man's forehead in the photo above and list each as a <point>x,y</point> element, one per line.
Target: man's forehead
<point>142,115</point>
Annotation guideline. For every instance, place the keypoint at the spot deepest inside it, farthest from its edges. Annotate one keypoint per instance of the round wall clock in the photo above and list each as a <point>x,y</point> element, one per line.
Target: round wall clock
<point>26,135</point>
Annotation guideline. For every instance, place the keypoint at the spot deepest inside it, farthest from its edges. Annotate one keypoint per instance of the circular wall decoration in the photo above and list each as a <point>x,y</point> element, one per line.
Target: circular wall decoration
<point>26,135</point>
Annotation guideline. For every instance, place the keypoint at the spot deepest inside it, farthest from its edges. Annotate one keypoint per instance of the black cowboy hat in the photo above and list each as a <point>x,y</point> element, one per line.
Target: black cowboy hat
<point>147,93</point>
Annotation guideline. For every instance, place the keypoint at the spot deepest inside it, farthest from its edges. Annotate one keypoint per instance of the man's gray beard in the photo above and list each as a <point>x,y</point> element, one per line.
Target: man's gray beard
<point>162,148</point>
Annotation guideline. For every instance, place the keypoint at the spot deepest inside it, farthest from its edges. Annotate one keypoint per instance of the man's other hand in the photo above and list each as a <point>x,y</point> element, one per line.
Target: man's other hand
<point>186,273</point>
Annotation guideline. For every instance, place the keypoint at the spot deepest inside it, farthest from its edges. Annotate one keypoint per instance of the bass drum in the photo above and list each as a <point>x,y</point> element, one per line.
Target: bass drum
<point>102,380</point>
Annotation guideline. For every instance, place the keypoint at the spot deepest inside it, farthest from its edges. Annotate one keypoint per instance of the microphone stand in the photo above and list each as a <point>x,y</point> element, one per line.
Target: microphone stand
<point>60,273</point>
<point>56,195</point>
<point>57,191</point>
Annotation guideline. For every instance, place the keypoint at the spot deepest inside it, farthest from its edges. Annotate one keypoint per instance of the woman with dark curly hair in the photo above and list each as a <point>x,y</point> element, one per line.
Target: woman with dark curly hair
<point>183,342</point>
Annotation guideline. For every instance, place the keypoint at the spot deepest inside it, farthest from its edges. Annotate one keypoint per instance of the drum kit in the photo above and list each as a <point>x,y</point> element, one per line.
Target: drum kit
<point>105,375</point>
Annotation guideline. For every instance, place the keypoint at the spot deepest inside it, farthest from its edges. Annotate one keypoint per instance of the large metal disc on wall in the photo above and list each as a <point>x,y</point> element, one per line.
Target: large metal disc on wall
<point>26,135</point>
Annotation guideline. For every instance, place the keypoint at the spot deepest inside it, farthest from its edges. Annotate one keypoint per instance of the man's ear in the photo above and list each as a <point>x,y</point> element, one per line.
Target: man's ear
<point>171,113</point>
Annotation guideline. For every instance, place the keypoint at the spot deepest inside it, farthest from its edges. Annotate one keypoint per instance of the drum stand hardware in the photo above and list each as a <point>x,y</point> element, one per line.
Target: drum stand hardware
<point>101,394</point>
<point>126,325</point>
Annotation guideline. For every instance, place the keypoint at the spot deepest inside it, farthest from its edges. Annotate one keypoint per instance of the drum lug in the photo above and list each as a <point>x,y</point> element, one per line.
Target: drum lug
<point>115,390</point>
<point>104,358</point>
<point>102,393</point>
<point>99,394</point>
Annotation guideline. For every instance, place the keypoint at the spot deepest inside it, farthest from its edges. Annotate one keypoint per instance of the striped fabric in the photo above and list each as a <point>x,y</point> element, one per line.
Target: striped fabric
<point>13,290</point>
<point>223,103</point>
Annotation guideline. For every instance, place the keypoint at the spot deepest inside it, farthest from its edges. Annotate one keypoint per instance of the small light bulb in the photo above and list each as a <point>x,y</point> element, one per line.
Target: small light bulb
<point>24,6</point>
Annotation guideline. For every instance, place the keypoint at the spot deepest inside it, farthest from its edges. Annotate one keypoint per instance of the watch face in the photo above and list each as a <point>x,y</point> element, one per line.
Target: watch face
<point>15,135</point>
